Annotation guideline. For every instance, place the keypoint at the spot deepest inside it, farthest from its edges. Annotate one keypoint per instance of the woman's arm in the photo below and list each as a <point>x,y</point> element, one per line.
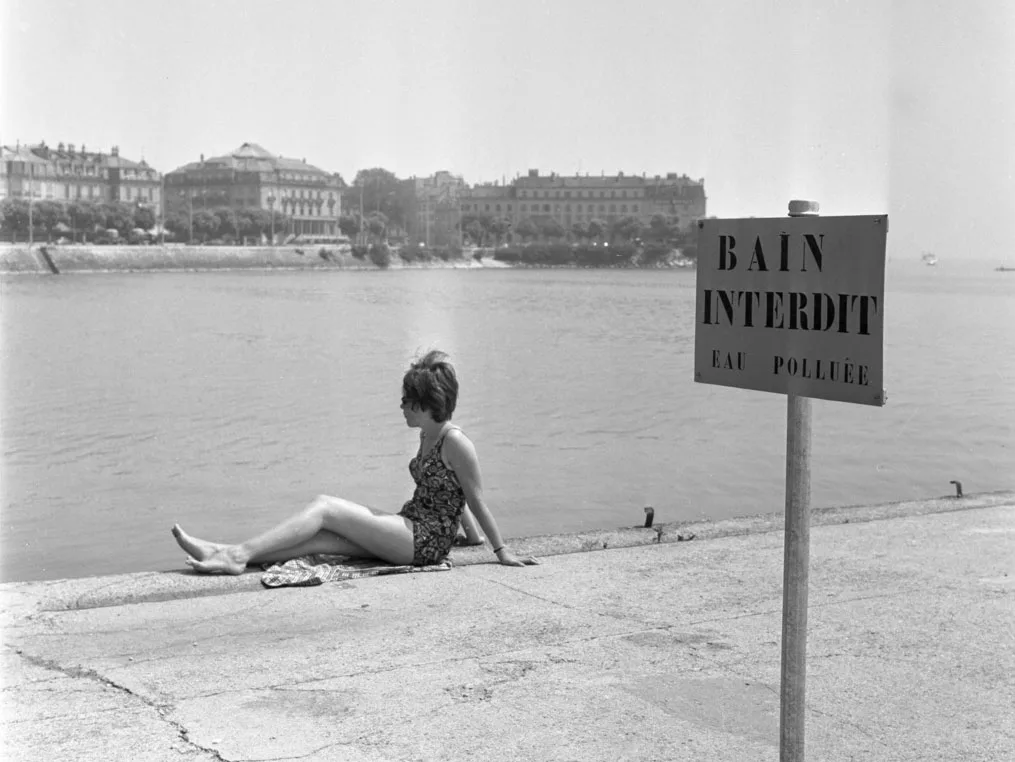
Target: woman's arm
<point>461,456</point>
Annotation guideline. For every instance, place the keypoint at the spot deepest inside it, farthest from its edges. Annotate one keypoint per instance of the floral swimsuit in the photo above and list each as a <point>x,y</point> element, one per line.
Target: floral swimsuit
<point>436,506</point>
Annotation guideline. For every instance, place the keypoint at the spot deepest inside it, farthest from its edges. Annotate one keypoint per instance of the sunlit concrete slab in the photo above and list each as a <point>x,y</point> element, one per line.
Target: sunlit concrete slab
<point>664,650</point>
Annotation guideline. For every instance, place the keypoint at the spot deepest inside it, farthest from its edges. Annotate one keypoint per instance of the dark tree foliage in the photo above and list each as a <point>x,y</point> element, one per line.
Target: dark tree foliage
<point>381,192</point>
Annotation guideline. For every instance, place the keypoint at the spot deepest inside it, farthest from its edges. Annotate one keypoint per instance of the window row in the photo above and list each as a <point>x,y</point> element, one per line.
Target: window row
<point>581,194</point>
<point>53,170</point>
<point>80,169</point>
<point>302,193</point>
<point>130,193</point>
<point>557,208</point>
<point>66,191</point>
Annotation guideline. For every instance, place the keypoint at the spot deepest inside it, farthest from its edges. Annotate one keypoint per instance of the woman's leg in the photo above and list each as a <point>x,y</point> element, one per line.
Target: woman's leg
<point>383,535</point>
<point>322,542</point>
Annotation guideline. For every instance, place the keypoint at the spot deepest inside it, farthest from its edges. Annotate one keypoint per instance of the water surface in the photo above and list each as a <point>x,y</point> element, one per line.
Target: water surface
<point>225,400</point>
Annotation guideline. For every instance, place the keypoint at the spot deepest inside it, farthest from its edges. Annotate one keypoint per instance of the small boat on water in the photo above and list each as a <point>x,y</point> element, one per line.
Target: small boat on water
<point>929,258</point>
<point>1003,269</point>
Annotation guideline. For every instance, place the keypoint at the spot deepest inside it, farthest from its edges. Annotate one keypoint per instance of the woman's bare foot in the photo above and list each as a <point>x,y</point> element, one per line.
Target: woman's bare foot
<point>198,549</point>
<point>228,559</point>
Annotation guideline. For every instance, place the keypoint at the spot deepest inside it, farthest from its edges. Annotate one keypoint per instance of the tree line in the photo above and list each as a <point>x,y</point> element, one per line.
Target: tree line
<point>86,221</point>
<point>76,220</point>
<point>224,224</point>
<point>382,198</point>
<point>487,230</point>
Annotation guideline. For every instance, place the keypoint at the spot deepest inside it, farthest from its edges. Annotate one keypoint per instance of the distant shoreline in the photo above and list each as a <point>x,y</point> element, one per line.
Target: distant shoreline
<point>54,259</point>
<point>47,259</point>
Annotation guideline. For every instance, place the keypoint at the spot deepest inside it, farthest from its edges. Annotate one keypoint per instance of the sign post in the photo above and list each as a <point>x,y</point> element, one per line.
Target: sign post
<point>793,306</point>
<point>795,564</point>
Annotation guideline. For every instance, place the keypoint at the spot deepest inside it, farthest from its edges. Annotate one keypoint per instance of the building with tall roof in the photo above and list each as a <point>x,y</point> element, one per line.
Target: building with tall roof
<point>251,177</point>
<point>66,173</point>
<point>583,198</point>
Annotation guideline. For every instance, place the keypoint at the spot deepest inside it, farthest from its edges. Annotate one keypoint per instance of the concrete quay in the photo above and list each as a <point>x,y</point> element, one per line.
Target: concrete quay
<point>53,259</point>
<point>654,648</point>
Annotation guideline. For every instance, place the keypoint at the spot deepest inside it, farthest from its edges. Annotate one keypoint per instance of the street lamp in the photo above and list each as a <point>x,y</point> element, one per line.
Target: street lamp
<point>271,206</point>
<point>162,212</point>
<point>286,207</point>
<point>31,197</point>
<point>189,194</point>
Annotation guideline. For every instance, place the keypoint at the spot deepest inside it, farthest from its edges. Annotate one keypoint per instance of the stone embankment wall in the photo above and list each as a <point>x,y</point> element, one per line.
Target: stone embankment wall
<point>42,258</point>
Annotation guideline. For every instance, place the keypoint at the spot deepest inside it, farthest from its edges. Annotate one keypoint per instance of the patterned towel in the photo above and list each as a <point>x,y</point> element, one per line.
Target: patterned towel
<point>308,571</point>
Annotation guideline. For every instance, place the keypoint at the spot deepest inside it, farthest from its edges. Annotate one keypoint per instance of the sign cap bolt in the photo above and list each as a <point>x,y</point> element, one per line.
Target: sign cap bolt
<point>800,208</point>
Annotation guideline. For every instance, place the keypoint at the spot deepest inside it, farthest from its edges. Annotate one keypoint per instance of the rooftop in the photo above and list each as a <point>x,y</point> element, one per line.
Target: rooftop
<point>251,157</point>
<point>42,153</point>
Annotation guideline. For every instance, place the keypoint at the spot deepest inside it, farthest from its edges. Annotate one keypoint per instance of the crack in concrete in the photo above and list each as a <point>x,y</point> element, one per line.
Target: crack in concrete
<point>167,654</point>
<point>6,688</point>
<point>54,615</point>
<point>879,657</point>
<point>810,606</point>
<point>532,595</point>
<point>626,617</point>
<point>130,656</point>
<point>161,710</point>
<point>629,618</point>
<point>862,731</point>
<point>620,616</point>
<point>49,717</point>
<point>395,667</point>
<point>29,688</point>
<point>298,756</point>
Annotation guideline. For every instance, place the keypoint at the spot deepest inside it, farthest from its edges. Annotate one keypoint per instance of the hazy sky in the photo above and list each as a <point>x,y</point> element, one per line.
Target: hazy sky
<point>905,107</point>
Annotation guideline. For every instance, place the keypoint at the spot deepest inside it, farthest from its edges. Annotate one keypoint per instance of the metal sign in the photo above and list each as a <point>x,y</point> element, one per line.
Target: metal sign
<point>793,305</point>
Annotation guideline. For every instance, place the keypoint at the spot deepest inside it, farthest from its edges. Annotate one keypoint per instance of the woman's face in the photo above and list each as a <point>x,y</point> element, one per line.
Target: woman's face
<point>413,413</point>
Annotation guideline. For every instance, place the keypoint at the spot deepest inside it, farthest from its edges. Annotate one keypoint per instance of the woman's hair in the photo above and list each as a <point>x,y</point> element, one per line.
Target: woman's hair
<point>431,384</point>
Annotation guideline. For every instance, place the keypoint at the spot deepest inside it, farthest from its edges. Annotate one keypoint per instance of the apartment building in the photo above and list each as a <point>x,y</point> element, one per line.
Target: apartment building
<point>251,177</point>
<point>67,173</point>
<point>582,198</point>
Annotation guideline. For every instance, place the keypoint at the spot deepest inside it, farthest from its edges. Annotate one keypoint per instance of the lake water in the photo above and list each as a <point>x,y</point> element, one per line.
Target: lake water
<point>226,400</point>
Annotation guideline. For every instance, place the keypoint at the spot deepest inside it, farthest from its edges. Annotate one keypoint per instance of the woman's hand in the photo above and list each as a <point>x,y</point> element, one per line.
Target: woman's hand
<point>508,558</point>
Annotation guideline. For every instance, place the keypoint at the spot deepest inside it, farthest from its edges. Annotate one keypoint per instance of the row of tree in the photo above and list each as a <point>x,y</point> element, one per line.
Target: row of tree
<point>627,254</point>
<point>385,202</point>
<point>381,195</point>
<point>227,225</point>
<point>76,220</point>
<point>538,254</point>
<point>92,221</point>
<point>487,230</point>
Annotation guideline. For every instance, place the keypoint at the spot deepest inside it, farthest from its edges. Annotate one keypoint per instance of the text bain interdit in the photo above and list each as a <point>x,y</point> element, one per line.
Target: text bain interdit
<point>792,310</point>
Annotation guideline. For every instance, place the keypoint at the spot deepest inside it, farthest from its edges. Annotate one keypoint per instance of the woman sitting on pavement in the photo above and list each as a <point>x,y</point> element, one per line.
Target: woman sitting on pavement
<point>446,472</point>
